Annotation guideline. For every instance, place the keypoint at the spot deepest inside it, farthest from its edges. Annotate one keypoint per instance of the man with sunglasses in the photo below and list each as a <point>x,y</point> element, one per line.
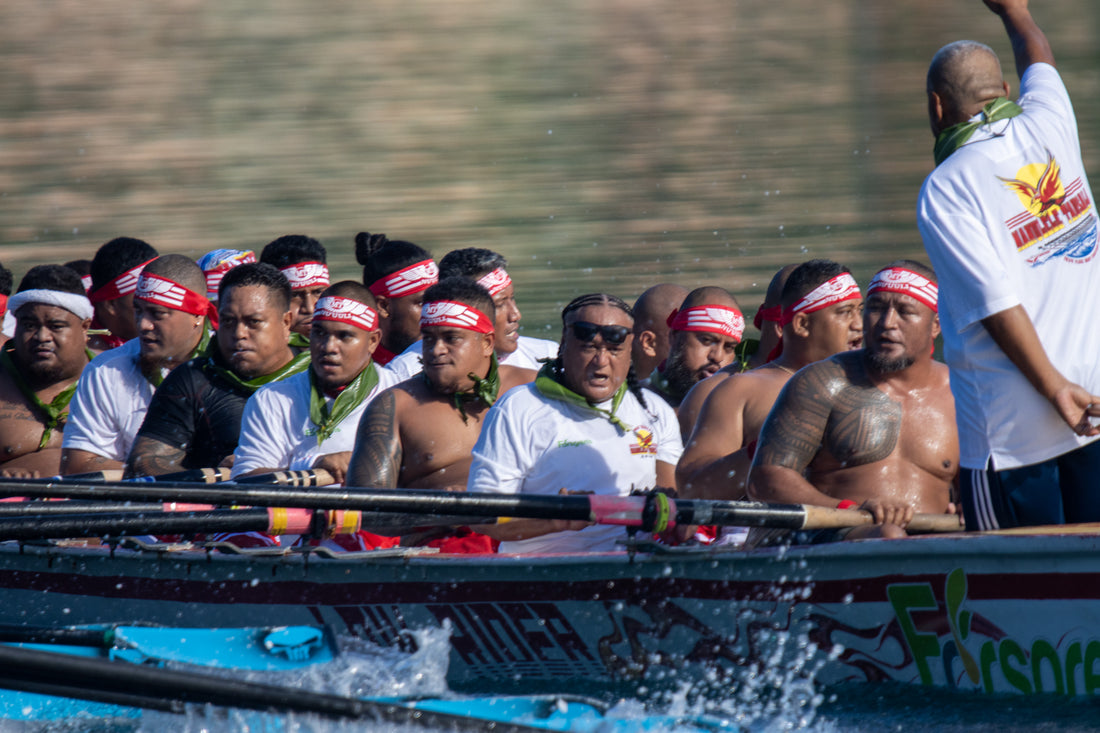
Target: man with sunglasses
<point>584,426</point>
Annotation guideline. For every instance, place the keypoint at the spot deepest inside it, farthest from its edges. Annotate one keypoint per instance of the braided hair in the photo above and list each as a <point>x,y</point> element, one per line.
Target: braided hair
<point>597,299</point>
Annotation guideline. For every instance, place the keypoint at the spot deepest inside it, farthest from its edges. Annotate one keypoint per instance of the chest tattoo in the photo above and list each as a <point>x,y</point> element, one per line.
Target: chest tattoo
<point>863,427</point>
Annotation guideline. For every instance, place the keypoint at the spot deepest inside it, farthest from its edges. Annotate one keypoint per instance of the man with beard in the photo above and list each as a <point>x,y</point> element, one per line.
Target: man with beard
<point>39,368</point>
<point>302,260</point>
<point>419,433</point>
<point>703,338</point>
<point>820,310</point>
<point>174,322</point>
<point>872,429</point>
<point>582,427</point>
<point>115,270</point>
<point>194,419</point>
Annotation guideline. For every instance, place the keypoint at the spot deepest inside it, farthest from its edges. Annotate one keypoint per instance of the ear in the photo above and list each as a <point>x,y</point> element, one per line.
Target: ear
<point>800,324</point>
<point>488,343</point>
<point>1007,89</point>
<point>936,329</point>
<point>647,340</point>
<point>373,339</point>
<point>935,112</point>
<point>288,318</point>
<point>85,325</point>
<point>383,305</point>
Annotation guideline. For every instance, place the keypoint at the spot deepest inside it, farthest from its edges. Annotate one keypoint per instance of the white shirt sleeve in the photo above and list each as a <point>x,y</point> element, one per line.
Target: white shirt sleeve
<point>263,442</point>
<point>501,457</point>
<point>93,425</point>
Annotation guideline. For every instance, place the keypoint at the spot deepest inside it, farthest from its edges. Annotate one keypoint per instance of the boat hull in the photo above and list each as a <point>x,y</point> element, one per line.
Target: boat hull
<point>987,613</point>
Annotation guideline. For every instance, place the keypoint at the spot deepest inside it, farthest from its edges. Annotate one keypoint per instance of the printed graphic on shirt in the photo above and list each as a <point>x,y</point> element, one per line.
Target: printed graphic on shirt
<point>646,443</point>
<point>1057,221</point>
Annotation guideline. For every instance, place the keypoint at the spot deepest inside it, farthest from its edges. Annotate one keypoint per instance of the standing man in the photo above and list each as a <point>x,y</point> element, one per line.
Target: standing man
<point>174,320</point>
<point>115,270</point>
<point>719,451</point>
<point>194,419</point>
<point>302,260</point>
<point>873,428</point>
<point>1009,223</point>
<point>582,427</point>
<point>39,368</point>
<point>309,420</point>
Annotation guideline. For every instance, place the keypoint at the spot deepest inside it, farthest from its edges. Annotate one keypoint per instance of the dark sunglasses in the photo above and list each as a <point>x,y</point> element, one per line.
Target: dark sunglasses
<point>585,331</point>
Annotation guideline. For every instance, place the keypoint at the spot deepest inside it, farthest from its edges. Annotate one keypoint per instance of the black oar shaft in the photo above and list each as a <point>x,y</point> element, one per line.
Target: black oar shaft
<point>121,525</point>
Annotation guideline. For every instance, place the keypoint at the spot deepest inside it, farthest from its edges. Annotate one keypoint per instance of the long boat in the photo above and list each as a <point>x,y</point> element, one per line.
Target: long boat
<point>993,613</point>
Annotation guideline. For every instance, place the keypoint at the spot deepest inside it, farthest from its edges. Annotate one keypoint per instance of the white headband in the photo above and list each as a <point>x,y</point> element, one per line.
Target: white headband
<point>76,304</point>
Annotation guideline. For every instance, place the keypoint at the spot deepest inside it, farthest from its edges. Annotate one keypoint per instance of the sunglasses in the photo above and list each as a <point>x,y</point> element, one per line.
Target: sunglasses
<point>586,332</point>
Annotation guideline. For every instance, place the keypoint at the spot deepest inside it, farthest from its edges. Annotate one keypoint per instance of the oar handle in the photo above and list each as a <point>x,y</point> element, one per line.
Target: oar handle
<point>821,517</point>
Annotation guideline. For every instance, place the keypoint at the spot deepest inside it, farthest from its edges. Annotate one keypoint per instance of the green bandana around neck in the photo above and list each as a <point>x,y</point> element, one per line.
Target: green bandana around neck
<point>485,390</point>
<point>549,386</point>
<point>298,341</point>
<point>55,412</point>
<point>954,137</point>
<point>345,403</point>
<point>201,349</point>
<point>299,363</point>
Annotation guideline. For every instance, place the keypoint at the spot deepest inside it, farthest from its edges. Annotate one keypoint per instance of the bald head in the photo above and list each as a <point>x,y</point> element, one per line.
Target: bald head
<point>965,75</point>
<point>179,269</point>
<point>774,296</point>
<point>651,312</point>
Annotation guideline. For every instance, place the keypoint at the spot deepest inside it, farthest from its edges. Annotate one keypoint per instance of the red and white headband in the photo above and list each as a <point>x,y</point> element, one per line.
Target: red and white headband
<point>161,291</point>
<point>495,281</point>
<point>220,261</point>
<point>411,280</point>
<point>346,310</point>
<point>906,282</point>
<point>718,319</point>
<point>121,285</point>
<point>306,275</point>
<point>771,314</point>
<point>839,289</point>
<point>456,315</point>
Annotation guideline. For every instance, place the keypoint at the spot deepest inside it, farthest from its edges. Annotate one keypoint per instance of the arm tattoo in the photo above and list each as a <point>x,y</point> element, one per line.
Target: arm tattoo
<point>151,457</point>
<point>376,460</point>
<point>832,407</point>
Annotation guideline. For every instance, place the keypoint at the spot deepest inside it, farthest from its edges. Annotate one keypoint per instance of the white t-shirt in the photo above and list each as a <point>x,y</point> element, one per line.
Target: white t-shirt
<point>109,404</point>
<point>276,431</point>
<point>526,356</point>
<point>992,252</point>
<point>531,444</point>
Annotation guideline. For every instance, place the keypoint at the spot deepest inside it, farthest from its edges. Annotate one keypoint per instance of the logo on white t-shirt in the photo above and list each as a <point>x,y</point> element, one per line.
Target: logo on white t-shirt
<point>647,443</point>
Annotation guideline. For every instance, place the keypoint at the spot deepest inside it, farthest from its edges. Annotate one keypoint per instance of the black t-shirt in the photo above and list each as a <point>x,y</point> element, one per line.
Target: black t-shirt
<point>198,411</point>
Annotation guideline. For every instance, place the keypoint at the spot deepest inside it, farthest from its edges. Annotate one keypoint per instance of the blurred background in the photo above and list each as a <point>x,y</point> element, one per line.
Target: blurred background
<point>599,145</point>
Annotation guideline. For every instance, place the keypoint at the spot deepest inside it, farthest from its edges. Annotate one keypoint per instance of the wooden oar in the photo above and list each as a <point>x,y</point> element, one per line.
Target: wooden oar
<point>197,475</point>
<point>651,512</point>
<point>169,690</point>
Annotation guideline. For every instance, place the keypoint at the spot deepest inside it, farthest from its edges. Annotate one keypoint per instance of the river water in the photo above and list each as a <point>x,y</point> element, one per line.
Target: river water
<point>599,146</point>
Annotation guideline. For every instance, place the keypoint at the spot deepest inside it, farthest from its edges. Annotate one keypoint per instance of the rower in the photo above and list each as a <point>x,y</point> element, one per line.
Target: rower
<point>872,429</point>
<point>397,273</point>
<point>175,321</point>
<point>217,262</point>
<point>419,433</point>
<point>302,260</point>
<point>115,270</point>
<point>768,321</point>
<point>309,420</point>
<point>651,331</point>
<point>703,336</point>
<point>39,368</point>
<point>584,425</point>
<point>194,419</point>
<point>821,301</point>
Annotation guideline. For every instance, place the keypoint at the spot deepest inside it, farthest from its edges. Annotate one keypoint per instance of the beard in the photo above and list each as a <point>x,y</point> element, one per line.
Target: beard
<point>679,378</point>
<point>885,365</point>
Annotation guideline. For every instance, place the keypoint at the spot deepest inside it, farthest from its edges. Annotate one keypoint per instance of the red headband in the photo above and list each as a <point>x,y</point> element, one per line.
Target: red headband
<point>161,291</point>
<point>123,284</point>
<point>3,303</point>
<point>412,279</point>
<point>346,310</point>
<point>906,282</point>
<point>306,275</point>
<point>215,264</point>
<point>495,281</point>
<point>86,281</point>
<point>772,314</point>
<point>839,289</point>
<point>718,319</point>
<point>454,314</point>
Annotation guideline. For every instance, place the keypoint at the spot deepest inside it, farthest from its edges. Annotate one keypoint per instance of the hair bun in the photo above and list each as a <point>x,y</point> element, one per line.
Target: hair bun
<point>367,244</point>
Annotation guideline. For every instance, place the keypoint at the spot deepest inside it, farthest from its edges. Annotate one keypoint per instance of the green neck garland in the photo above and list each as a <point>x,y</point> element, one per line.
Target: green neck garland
<point>954,137</point>
<point>549,386</point>
<point>55,412</point>
<point>295,365</point>
<point>349,398</point>
<point>484,390</point>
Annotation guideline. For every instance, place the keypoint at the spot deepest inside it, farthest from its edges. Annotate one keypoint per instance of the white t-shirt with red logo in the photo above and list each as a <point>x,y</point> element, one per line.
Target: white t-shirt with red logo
<point>1007,220</point>
<point>531,444</point>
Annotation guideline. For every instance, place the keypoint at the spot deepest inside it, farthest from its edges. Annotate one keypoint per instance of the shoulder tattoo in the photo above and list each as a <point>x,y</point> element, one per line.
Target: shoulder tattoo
<point>376,460</point>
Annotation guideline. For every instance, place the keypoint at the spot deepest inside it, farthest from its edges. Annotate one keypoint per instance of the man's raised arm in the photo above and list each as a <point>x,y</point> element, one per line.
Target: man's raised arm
<point>1029,43</point>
